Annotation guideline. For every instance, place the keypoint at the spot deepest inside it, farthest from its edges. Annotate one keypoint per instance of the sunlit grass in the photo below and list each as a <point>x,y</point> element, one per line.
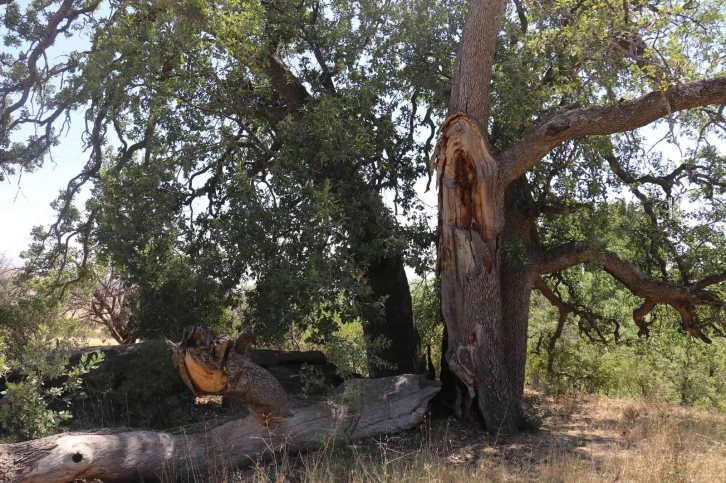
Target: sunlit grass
<point>584,439</point>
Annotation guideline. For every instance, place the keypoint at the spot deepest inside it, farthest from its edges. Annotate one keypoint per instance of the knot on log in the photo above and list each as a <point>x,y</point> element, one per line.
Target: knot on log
<point>368,407</point>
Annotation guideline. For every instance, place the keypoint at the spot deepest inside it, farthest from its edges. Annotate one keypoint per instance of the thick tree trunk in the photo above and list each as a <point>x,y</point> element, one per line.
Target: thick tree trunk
<point>516,293</point>
<point>388,281</point>
<point>482,348</point>
<point>471,219</point>
<point>517,279</point>
<point>373,407</point>
<point>454,394</point>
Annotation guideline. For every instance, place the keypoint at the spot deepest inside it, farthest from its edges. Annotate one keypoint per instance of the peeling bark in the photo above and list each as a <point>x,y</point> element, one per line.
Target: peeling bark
<point>471,217</point>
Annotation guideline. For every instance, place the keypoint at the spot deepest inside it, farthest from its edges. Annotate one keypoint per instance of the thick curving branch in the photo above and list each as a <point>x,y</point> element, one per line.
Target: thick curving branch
<point>683,298</point>
<point>624,116</point>
<point>588,324</point>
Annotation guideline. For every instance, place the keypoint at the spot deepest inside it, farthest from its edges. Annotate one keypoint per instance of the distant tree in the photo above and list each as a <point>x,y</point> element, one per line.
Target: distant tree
<point>29,322</point>
<point>107,304</point>
<point>255,139</point>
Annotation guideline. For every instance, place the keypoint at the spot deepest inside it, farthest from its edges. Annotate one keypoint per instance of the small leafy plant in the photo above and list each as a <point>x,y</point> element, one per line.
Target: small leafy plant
<point>36,405</point>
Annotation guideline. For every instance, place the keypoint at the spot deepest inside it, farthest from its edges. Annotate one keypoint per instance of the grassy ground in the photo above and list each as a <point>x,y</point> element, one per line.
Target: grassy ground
<point>583,439</point>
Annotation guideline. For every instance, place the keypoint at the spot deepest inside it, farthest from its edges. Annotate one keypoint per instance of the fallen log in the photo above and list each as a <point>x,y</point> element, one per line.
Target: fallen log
<point>363,408</point>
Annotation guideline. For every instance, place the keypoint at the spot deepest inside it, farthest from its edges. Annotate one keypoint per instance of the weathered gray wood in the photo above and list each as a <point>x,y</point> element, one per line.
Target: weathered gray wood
<point>366,407</point>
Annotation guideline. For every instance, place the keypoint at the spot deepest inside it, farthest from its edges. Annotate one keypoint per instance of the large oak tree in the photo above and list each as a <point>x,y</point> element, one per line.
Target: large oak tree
<point>486,204</point>
<point>247,138</point>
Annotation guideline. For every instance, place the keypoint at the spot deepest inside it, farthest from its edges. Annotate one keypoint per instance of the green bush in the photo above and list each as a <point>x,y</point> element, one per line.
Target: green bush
<point>426,298</point>
<point>146,392</point>
<point>348,348</point>
<point>36,336</point>
<point>36,406</point>
<point>668,366</point>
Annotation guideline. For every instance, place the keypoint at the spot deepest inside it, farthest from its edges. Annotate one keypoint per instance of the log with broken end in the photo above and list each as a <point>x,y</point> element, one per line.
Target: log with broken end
<point>212,364</point>
<point>365,408</point>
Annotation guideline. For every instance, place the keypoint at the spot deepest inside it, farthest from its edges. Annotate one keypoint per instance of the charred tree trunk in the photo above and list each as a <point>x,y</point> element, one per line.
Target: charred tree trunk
<point>388,281</point>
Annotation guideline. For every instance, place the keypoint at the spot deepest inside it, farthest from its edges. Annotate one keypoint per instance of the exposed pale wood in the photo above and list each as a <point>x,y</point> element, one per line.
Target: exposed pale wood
<point>471,218</point>
<point>211,364</point>
<point>372,407</point>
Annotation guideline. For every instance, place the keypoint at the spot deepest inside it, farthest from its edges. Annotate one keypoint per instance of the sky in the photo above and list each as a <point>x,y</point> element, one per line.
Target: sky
<point>25,201</point>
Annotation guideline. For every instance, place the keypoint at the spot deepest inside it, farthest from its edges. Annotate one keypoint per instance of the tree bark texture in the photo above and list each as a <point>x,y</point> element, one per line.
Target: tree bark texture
<point>517,278</point>
<point>471,219</point>
<point>388,280</point>
<point>371,407</point>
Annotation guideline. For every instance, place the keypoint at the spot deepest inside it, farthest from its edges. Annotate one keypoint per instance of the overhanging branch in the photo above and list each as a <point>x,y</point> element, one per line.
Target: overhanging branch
<point>683,298</point>
<point>624,116</point>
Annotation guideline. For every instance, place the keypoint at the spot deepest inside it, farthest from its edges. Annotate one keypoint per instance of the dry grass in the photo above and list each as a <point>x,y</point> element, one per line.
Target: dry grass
<point>583,439</point>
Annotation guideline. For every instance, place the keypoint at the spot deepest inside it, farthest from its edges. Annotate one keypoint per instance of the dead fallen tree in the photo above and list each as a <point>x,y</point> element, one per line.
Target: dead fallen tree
<point>211,364</point>
<point>363,408</point>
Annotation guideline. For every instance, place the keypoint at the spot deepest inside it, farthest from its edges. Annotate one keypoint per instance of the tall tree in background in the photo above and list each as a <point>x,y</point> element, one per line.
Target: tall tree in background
<point>487,212</point>
<point>252,141</point>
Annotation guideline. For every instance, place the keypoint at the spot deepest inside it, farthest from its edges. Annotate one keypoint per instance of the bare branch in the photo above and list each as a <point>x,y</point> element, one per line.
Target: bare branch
<point>564,310</point>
